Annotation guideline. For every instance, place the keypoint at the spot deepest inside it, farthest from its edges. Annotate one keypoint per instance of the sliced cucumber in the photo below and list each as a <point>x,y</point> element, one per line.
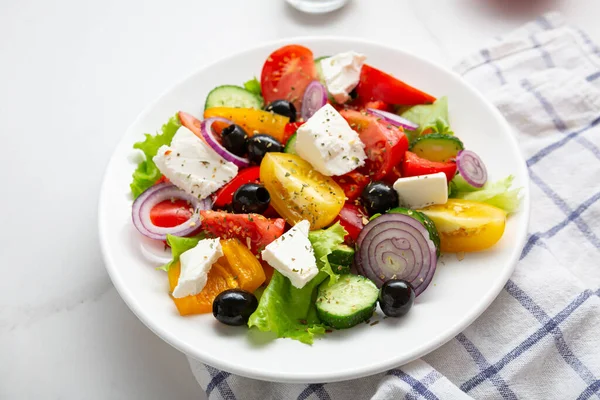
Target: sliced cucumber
<point>232,96</point>
<point>340,269</point>
<point>437,147</point>
<point>341,255</point>
<point>319,69</point>
<point>290,146</point>
<point>348,302</point>
<point>425,221</point>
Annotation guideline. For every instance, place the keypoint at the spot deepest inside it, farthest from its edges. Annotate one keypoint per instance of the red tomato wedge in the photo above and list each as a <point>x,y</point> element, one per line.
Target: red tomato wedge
<point>168,214</point>
<point>286,74</point>
<point>413,165</point>
<point>352,183</point>
<point>251,229</point>
<point>352,218</point>
<point>393,175</point>
<point>224,195</point>
<point>377,85</point>
<point>385,144</point>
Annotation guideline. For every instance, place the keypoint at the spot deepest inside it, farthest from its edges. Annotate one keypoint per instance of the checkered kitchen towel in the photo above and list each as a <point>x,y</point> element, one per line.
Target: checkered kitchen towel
<point>540,339</point>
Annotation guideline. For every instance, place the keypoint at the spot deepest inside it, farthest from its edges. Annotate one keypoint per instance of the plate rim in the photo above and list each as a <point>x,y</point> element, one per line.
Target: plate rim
<point>356,372</point>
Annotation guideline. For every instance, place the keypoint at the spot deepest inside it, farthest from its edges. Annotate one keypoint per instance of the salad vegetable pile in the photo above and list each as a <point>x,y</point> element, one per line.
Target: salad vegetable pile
<point>299,202</point>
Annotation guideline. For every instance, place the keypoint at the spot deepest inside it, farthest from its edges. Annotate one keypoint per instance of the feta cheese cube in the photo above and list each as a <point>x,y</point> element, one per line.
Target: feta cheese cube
<point>328,143</point>
<point>195,265</point>
<point>192,165</point>
<point>292,255</point>
<point>342,73</point>
<point>422,191</point>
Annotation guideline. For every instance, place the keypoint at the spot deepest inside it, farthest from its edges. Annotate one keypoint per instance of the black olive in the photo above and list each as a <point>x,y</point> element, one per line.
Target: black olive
<point>378,197</point>
<point>353,94</point>
<point>251,198</point>
<point>396,297</point>
<point>261,144</point>
<point>283,107</point>
<point>234,307</point>
<point>235,139</point>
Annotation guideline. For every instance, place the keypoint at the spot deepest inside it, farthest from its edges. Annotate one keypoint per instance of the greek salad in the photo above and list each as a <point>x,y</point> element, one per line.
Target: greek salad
<point>299,202</point>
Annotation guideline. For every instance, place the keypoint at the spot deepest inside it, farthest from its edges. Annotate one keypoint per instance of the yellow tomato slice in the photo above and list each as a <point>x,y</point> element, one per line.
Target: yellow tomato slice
<point>253,121</point>
<point>466,225</point>
<point>299,192</point>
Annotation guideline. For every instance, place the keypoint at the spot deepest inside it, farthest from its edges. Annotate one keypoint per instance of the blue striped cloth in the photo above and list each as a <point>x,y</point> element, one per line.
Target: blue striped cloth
<point>540,339</point>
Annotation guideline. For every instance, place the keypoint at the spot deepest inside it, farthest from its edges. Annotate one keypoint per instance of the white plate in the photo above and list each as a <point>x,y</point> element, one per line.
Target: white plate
<point>459,293</point>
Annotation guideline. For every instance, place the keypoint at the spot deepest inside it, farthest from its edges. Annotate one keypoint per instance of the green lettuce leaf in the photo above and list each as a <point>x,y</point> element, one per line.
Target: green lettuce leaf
<point>180,245</point>
<point>147,173</point>
<point>497,193</point>
<point>253,86</point>
<point>290,312</point>
<point>438,126</point>
<point>323,242</point>
<point>429,117</point>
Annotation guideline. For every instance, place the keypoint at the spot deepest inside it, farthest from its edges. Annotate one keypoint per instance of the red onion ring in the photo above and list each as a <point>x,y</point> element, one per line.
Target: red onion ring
<point>315,97</point>
<point>209,136</point>
<point>396,246</point>
<point>142,206</point>
<point>393,119</point>
<point>471,168</point>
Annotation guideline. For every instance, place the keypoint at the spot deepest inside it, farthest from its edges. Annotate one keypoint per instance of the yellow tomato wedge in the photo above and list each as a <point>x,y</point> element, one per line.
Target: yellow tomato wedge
<point>253,121</point>
<point>299,192</point>
<point>466,225</point>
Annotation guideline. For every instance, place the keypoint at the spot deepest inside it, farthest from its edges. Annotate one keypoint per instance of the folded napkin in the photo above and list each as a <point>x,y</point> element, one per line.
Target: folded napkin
<point>540,339</point>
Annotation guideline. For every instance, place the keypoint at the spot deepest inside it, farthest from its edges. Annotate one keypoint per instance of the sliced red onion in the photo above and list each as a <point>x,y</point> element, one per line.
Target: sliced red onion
<point>393,119</point>
<point>396,246</point>
<point>156,194</point>
<point>209,136</point>
<point>315,97</point>
<point>471,168</point>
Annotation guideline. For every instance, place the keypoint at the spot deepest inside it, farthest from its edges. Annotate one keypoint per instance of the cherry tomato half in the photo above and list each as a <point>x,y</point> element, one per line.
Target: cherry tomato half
<point>286,74</point>
<point>168,214</point>
<point>466,225</point>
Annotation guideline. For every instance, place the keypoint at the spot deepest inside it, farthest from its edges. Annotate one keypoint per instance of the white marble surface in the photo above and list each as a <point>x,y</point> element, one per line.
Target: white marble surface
<point>73,75</point>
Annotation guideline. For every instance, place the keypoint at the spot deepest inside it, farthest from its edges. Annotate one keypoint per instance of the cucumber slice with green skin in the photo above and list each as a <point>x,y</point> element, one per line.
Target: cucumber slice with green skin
<point>232,96</point>
<point>348,302</point>
<point>340,269</point>
<point>341,255</point>
<point>319,69</point>
<point>290,146</point>
<point>437,147</point>
<point>425,221</point>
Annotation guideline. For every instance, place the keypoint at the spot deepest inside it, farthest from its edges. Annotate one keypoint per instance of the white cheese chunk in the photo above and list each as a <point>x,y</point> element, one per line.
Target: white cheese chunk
<point>328,143</point>
<point>342,73</point>
<point>192,165</point>
<point>195,265</point>
<point>292,255</point>
<point>422,191</point>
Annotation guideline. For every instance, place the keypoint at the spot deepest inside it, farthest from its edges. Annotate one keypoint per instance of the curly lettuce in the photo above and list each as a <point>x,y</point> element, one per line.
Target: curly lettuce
<point>324,241</point>
<point>147,173</point>
<point>180,245</point>
<point>497,193</point>
<point>430,117</point>
<point>253,86</point>
<point>290,312</point>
